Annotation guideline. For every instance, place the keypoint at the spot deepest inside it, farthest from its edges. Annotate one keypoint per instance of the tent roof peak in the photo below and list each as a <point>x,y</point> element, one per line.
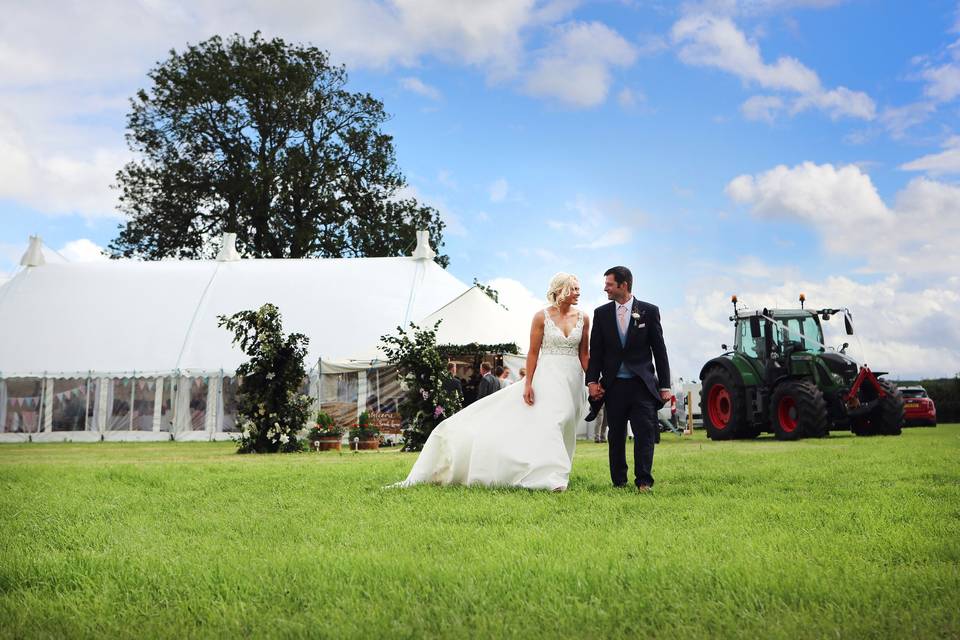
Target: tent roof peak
<point>34,254</point>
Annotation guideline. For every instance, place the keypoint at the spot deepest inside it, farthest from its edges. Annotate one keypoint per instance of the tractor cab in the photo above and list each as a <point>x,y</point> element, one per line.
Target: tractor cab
<point>777,331</point>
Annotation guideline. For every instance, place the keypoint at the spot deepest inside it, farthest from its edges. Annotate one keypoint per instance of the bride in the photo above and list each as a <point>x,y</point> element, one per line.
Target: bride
<point>523,435</point>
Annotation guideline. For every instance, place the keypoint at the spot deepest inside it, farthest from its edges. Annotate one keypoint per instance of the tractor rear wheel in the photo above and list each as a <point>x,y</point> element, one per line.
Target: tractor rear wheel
<point>886,419</point>
<point>723,406</point>
<point>798,410</point>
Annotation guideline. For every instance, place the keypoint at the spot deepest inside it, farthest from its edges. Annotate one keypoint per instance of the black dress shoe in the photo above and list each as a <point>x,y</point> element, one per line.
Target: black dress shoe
<point>591,415</point>
<point>620,486</point>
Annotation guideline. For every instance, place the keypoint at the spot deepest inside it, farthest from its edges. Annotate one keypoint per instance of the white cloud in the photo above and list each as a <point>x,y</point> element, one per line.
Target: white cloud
<point>499,190</point>
<point>943,82</point>
<point>83,250</point>
<point>611,238</point>
<point>417,86</point>
<point>764,108</point>
<point>598,225</point>
<point>917,235</point>
<point>821,194</point>
<point>56,182</point>
<point>839,103</point>
<point>899,120</point>
<point>626,98</point>
<point>576,68</point>
<point>711,40</point>
<point>945,162</point>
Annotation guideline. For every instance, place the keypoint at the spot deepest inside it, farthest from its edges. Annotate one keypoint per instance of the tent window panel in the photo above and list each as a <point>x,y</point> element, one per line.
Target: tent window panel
<point>69,404</point>
<point>91,404</point>
<point>166,404</point>
<point>230,409</point>
<point>338,397</point>
<point>144,401</point>
<point>198,403</point>
<point>23,405</point>
<point>119,418</point>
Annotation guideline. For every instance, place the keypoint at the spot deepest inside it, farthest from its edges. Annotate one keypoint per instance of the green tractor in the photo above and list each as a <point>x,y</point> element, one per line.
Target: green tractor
<point>781,378</point>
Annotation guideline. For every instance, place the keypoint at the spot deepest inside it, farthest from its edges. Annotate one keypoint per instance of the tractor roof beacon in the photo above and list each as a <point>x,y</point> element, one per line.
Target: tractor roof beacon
<point>781,378</point>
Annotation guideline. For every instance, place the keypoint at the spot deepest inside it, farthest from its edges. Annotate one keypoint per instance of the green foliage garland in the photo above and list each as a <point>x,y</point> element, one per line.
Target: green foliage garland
<point>271,409</point>
<point>474,348</point>
<point>423,370</point>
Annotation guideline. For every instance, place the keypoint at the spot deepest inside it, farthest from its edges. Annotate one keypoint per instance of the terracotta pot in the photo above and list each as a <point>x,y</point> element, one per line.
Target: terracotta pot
<point>327,444</point>
<point>369,443</point>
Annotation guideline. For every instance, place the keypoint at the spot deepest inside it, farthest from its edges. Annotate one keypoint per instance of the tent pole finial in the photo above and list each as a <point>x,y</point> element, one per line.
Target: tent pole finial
<point>34,255</point>
<point>423,251</point>
<point>228,249</point>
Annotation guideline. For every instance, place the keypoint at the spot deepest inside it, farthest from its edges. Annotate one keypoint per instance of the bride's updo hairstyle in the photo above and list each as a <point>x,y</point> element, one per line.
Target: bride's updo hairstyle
<point>560,287</point>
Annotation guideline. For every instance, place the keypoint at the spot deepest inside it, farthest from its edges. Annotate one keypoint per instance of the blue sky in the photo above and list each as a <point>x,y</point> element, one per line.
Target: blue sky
<point>763,147</point>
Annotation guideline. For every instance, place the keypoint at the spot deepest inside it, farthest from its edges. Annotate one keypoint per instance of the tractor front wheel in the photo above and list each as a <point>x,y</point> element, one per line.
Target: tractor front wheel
<point>723,406</point>
<point>886,419</point>
<point>798,410</point>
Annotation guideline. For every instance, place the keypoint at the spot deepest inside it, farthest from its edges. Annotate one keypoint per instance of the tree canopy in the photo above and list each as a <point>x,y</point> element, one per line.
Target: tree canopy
<point>262,138</point>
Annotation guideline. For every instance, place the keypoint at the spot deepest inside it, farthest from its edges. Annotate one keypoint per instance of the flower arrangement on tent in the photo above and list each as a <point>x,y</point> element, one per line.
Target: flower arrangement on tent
<point>271,409</point>
<point>364,429</point>
<point>325,427</point>
<point>423,371</point>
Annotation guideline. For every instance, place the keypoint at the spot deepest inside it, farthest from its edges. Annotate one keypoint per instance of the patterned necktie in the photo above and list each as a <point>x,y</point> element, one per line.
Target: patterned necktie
<point>622,319</point>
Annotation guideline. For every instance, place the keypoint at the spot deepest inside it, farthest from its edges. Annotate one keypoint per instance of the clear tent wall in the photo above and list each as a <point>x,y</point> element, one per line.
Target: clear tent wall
<point>179,407</point>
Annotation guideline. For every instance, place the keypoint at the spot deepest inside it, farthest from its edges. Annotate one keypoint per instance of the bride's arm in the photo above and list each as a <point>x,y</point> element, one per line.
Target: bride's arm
<point>536,339</point>
<point>585,344</point>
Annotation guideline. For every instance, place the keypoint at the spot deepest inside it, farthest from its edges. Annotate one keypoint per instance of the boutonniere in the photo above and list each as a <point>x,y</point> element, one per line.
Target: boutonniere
<point>638,319</point>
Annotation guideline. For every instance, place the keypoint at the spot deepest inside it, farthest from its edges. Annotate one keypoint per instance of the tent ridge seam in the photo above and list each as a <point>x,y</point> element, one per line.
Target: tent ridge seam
<point>188,337</point>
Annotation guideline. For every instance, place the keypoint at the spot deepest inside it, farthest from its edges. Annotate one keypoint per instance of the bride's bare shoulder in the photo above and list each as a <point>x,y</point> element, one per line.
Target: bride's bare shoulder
<point>538,317</point>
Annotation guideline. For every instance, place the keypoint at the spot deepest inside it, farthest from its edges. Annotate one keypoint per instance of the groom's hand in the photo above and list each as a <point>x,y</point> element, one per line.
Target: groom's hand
<point>594,390</point>
<point>665,395</point>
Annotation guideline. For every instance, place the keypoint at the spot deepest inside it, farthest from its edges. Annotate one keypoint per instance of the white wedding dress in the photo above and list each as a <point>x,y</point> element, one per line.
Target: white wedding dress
<point>501,441</point>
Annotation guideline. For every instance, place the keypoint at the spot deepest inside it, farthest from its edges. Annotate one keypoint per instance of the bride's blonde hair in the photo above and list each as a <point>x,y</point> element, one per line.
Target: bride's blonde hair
<point>561,285</point>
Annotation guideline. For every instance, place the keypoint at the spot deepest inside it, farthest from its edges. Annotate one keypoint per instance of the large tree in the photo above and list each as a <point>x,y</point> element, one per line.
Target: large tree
<point>261,138</point>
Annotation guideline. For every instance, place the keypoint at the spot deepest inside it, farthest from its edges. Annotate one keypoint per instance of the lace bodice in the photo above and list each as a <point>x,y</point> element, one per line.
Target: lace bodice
<point>555,343</point>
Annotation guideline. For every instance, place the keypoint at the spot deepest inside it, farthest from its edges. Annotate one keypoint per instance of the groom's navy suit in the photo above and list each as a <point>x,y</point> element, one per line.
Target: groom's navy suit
<point>623,364</point>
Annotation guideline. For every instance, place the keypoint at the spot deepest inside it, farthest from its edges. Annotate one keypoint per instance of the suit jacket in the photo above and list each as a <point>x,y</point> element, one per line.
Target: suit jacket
<point>643,347</point>
<point>453,384</point>
<point>488,385</point>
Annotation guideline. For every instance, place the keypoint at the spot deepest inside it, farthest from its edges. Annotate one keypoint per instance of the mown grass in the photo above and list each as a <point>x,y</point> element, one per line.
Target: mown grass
<point>842,537</point>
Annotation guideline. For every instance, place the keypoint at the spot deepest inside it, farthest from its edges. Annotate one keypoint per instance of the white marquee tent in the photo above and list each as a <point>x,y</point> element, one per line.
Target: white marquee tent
<point>131,350</point>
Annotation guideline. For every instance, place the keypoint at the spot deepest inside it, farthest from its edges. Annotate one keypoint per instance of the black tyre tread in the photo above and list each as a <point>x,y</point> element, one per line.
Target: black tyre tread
<point>889,414</point>
<point>737,427</point>
<point>812,419</point>
<point>887,418</point>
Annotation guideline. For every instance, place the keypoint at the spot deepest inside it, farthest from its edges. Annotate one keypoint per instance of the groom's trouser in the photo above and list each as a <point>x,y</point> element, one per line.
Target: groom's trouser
<point>629,399</point>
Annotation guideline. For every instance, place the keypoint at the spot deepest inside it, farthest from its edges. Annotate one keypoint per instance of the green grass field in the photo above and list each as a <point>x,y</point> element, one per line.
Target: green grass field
<point>843,537</point>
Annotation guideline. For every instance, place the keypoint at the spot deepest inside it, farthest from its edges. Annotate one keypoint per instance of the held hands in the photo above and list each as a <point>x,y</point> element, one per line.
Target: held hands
<point>665,395</point>
<point>528,394</point>
<point>595,391</point>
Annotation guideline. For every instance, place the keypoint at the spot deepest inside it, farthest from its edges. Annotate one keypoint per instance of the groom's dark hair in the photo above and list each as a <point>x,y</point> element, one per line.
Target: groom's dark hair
<point>621,275</point>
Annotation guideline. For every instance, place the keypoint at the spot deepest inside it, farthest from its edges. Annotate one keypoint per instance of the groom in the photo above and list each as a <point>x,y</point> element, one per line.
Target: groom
<point>625,341</point>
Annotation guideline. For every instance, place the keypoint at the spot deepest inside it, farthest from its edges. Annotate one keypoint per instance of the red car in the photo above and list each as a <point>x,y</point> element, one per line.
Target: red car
<point>919,408</point>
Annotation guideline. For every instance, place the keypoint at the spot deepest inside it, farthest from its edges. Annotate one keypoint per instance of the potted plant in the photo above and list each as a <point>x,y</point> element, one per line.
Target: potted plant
<point>365,433</point>
<point>325,435</point>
